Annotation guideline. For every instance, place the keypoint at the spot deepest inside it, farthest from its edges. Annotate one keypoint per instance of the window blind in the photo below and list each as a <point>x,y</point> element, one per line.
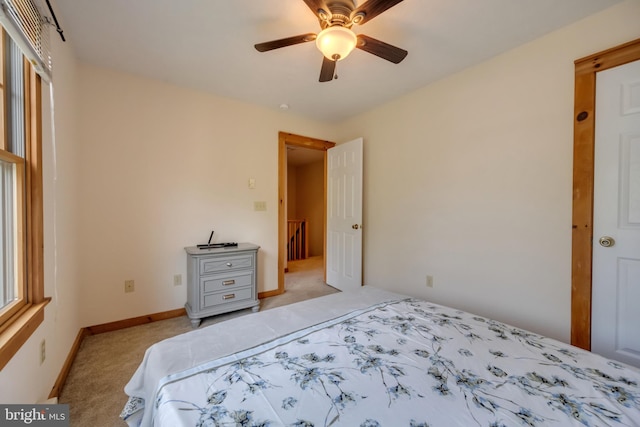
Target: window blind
<point>29,28</point>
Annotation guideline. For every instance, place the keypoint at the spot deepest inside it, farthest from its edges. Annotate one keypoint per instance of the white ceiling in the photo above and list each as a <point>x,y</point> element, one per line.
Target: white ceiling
<point>207,45</point>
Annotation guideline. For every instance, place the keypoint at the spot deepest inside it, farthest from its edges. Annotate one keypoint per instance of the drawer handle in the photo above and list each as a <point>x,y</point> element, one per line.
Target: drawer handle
<point>229,296</point>
<point>229,264</point>
<point>228,282</point>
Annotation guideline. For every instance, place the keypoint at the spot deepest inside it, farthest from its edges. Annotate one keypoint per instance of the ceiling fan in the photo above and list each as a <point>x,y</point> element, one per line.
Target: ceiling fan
<point>336,40</point>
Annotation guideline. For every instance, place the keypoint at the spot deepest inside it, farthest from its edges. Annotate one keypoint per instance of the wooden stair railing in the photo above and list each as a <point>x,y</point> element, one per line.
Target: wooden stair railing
<point>297,239</point>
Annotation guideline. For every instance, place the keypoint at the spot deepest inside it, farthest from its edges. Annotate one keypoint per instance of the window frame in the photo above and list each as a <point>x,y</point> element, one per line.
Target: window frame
<point>12,308</point>
<point>16,329</point>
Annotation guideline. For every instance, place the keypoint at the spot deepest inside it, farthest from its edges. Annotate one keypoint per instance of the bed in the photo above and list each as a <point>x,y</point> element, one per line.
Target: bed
<point>375,358</point>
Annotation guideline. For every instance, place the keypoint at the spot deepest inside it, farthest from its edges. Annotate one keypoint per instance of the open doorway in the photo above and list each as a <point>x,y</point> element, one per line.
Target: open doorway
<point>305,217</point>
<point>305,204</point>
<point>301,150</point>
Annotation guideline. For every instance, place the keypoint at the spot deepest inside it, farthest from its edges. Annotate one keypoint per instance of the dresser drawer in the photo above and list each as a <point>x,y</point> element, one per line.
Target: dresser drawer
<point>220,280</point>
<point>232,296</point>
<point>224,281</point>
<point>215,265</point>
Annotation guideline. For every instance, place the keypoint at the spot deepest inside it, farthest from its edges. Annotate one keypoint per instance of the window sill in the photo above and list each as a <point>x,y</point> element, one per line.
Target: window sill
<point>19,330</point>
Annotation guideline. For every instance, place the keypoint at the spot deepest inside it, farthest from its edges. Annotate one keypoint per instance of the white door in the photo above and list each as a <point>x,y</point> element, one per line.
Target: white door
<point>344,215</point>
<point>615,324</point>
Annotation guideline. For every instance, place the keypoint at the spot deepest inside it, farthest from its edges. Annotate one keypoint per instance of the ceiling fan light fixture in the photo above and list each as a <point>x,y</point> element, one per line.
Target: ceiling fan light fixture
<point>336,42</point>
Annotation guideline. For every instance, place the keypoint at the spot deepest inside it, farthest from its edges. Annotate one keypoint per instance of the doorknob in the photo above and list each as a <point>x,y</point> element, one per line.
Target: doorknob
<point>355,226</point>
<point>607,241</point>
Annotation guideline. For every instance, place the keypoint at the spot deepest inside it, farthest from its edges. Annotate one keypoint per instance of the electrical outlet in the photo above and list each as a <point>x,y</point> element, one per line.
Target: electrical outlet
<point>129,286</point>
<point>177,280</point>
<point>429,281</point>
<point>43,351</point>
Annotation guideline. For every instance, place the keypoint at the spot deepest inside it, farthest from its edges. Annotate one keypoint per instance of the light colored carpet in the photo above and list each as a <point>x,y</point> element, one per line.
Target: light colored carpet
<point>105,362</point>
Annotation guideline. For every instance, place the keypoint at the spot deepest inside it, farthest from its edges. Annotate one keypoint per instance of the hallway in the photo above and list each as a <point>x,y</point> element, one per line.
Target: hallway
<point>305,280</point>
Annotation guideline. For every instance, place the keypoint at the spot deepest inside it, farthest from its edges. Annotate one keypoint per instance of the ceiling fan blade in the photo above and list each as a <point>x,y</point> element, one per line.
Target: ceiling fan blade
<point>381,49</point>
<point>289,41</point>
<point>327,70</point>
<point>372,8</point>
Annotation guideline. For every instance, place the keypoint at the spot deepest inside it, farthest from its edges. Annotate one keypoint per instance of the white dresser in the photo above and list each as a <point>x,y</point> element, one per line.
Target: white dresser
<point>220,280</point>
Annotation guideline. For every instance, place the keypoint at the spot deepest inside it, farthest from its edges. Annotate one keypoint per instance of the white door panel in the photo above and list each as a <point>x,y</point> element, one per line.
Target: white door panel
<point>616,268</point>
<point>344,215</point>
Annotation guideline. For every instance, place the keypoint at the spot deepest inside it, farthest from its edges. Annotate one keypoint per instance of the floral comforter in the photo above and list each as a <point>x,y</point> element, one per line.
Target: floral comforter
<point>404,363</point>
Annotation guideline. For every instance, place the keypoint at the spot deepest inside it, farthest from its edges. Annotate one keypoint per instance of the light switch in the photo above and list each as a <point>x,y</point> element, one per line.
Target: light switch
<point>252,183</point>
<point>259,206</point>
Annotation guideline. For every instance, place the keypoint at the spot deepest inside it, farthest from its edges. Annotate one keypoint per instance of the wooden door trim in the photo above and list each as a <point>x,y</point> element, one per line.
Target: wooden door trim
<point>285,139</point>
<point>583,182</point>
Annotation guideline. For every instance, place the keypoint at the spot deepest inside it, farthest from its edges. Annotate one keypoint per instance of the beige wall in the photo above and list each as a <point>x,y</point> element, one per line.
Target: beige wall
<point>310,196</point>
<point>470,180</point>
<point>292,180</point>
<point>161,167</point>
<point>305,198</point>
